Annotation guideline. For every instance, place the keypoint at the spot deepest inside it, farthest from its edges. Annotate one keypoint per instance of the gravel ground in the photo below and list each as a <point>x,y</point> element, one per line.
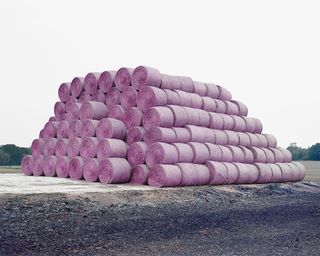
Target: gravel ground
<point>274,219</point>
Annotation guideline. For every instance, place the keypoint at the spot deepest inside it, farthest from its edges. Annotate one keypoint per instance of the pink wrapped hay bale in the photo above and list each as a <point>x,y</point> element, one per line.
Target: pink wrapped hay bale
<point>272,141</point>
<point>177,82</point>
<point>111,128</point>
<point>278,155</point>
<point>276,173</point>
<point>90,170</point>
<point>139,175</point>
<point>99,96</point>
<point>84,97</point>
<point>160,153</point>
<point>73,147</point>
<point>194,174</point>
<point>67,117</point>
<point>143,76</point>
<point>221,106</point>
<point>136,153</point>
<point>64,92</point>
<point>216,121</point>
<point>218,173</point>
<point>128,97</point>
<point>201,134</point>
<point>192,116</point>
<point>37,147</point>
<point>226,153</point>
<point>185,152</point>
<point>111,148</point>
<point>62,167</point>
<point>300,169</point>
<point>209,104</point>
<point>182,134</point>
<point>239,124</point>
<point>69,102</point>
<point>286,172</point>
<point>93,110</point>
<point>214,151</point>
<point>200,152</point>
<point>158,116</point>
<point>185,98</point>
<point>244,139</point>
<point>287,155</point>
<point>221,137</point>
<point>159,134</point>
<point>123,78</point>
<point>43,134</point>
<point>116,112</point>
<point>62,130</point>
<point>151,96</point>
<point>180,117</point>
<point>243,109</point>
<point>59,110</point>
<point>53,118</point>
<point>200,88</point>
<point>228,122</point>
<point>75,168</point>
<point>254,140</point>
<point>248,174</point>
<point>38,165</point>
<point>237,154</point>
<point>51,129</point>
<point>49,166</point>
<point>172,97</point>
<point>90,83</point>
<point>114,171</point>
<point>250,124</point>
<point>165,175</point>
<point>224,94</point>
<point>258,154</point>
<point>49,146</point>
<point>233,173</point>
<point>27,165</point>
<point>204,118</point>
<point>133,117</point>
<point>212,90</point>
<point>135,134</point>
<point>265,173</point>
<point>196,101</point>
<point>113,97</point>
<point>106,81</point>
<point>88,148</point>
<point>76,86</point>
<point>270,158</point>
<point>248,155</point>
<point>88,128</point>
<point>233,138</point>
<point>74,129</point>
<point>263,140</point>
<point>232,108</point>
<point>61,147</point>
<point>204,174</point>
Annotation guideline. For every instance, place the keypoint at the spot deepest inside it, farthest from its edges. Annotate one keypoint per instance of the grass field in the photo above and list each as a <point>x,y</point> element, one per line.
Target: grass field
<point>313,170</point>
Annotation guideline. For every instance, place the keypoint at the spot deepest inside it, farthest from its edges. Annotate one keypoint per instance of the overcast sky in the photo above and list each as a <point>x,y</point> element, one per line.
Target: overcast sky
<point>267,53</point>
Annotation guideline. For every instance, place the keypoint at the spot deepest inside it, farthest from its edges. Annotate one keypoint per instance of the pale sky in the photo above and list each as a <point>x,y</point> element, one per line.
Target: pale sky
<point>267,53</point>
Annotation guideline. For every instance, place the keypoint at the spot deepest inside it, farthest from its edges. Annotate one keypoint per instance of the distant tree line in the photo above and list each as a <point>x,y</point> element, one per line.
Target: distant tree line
<point>310,153</point>
<point>11,154</point>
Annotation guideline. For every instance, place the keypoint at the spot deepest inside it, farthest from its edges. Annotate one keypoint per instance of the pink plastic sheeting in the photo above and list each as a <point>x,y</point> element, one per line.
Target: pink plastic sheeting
<point>212,90</point>
<point>232,108</point>
<point>228,122</point>
<point>286,172</point>
<point>49,166</point>
<point>37,147</point>
<point>111,128</point>
<point>243,109</point>
<point>133,117</point>
<point>158,116</point>
<point>106,81</point>
<point>200,152</point>
<point>239,124</point>
<point>62,130</point>
<point>74,129</point>
<point>221,137</point>
<point>160,134</point>
<point>215,153</point>
<point>90,83</point>
<point>113,97</point>
<point>272,141</point>
<point>151,96</point>
<point>287,154</point>
<point>107,148</point>
<point>62,167</point>
<point>135,134</point>
<point>49,146</point>
<point>265,173</point>
<point>221,106</point>
<point>161,153</point>
<point>185,152</point>
<point>249,158</point>
<point>194,174</point>
<point>180,117</point>
<point>238,155</point>
<point>216,121</point>
<point>123,78</point>
<point>182,134</point>
<point>233,138</point>
<point>27,165</point>
<point>88,128</point>
<point>59,110</point>
<point>258,154</point>
<point>177,82</point>
<point>233,173</point>
<point>209,104</point>
<point>116,112</point>
<point>64,92</point>
<point>143,76</point>
<point>93,110</point>
<point>172,97</point>
<point>139,174</point>
<point>128,97</point>
<point>136,153</point>
<point>248,174</point>
<point>88,148</point>
<point>75,168</point>
<point>165,175</point>
<point>76,86</point>
<point>38,165</point>
<point>224,94</point>
<point>276,173</point>
<point>263,140</point>
<point>73,147</point>
<point>278,155</point>
<point>218,173</point>
<point>114,170</point>
<point>200,88</point>
<point>61,147</point>
<point>90,170</point>
<point>270,158</point>
<point>226,153</point>
<point>301,170</point>
<point>244,139</point>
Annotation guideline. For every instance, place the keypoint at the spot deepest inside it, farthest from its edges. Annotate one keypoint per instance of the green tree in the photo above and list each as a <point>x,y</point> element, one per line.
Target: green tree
<point>4,157</point>
<point>314,152</point>
<point>12,155</point>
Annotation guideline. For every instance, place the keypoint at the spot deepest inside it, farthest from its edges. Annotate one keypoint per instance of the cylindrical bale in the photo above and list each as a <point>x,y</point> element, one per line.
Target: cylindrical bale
<point>276,173</point>
<point>84,97</point>
<point>62,130</point>
<point>239,124</point>
<point>185,152</point>
<point>204,118</point>
<point>172,97</point>
<point>64,92</point>
<point>254,140</point>
<point>67,117</point>
<point>37,147</point>
<point>209,104</point>
<point>182,134</point>
<point>161,153</point>
<point>49,146</point>
<point>204,174</point>
<point>180,116</point>
<point>244,139</point>
<point>90,170</point>
<point>49,166</point>
<point>135,134</point>
<point>294,172</point>
<point>258,125</point>
<point>200,152</point>
<point>90,83</point>
<point>111,148</point>
<point>200,88</point>
<point>27,165</point>
<point>106,81</point>
<point>243,109</point>
<point>248,174</point>
<point>216,121</point>
<point>191,175</point>
<point>43,134</point>
<point>158,116</point>
<point>136,153</point>
<point>151,96</point>
<point>128,97</point>
<point>226,154</point>
<point>113,97</point>
<point>139,175</point>
<point>61,147</point>
<point>248,155</point>
<point>143,76</point>
<point>111,128</point>
<point>123,78</point>
<point>74,129</point>
<point>59,110</point>
<point>160,134</point>
<point>212,90</point>
<point>221,137</point>
<point>73,147</point>
<point>263,140</point>
<point>214,151</point>
<point>233,138</point>
<point>287,155</point>
<point>258,154</point>
<point>38,165</point>
<point>233,173</point>
<point>221,106</point>
<point>218,173</point>
<point>192,116</point>
<point>201,134</point>
<point>272,141</point>
<point>133,117</point>
<point>196,101</point>
<point>184,98</point>
<point>116,112</point>
<point>237,154</point>
<point>278,155</point>
<point>69,103</point>
<point>88,148</point>
<point>286,172</point>
<point>269,155</point>
<point>76,86</point>
<point>177,82</point>
<point>62,167</point>
<point>165,175</point>
<point>75,168</point>
<point>265,173</point>
<point>52,118</point>
<point>93,110</point>
<point>301,170</point>
<point>114,171</point>
<point>224,94</point>
<point>250,124</point>
<point>99,96</point>
<point>88,128</point>
<point>228,122</point>
<point>232,108</point>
